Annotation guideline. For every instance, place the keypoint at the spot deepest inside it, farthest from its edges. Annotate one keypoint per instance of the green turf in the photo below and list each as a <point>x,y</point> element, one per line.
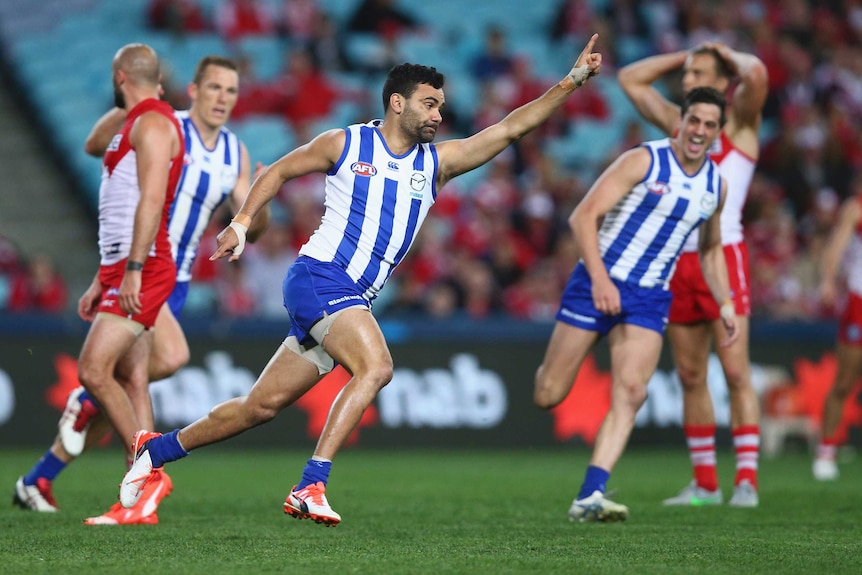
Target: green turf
<point>436,512</point>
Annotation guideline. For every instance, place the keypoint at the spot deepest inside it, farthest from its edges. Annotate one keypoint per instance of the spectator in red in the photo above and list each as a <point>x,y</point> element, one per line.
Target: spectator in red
<point>299,19</point>
<point>238,18</point>
<point>177,16</point>
<point>306,93</point>
<point>38,287</point>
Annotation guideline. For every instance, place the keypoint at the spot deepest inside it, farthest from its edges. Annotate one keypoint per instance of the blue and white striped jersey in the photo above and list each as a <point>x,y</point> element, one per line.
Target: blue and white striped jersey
<point>375,204</point>
<point>209,176</point>
<point>642,236</point>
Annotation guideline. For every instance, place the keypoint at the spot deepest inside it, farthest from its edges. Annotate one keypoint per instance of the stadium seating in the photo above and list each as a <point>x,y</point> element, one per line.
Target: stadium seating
<point>88,32</point>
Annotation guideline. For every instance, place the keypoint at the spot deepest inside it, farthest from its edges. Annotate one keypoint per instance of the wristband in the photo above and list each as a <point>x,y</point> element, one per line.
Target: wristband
<point>727,310</point>
<point>134,266</point>
<point>575,79</point>
<point>240,231</point>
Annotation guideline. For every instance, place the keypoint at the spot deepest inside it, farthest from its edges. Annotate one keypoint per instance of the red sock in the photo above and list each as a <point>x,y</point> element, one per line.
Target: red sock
<point>746,443</point>
<point>701,448</point>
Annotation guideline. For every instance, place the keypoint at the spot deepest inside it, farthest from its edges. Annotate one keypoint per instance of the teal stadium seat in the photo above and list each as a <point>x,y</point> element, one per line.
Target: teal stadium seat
<point>267,54</point>
<point>267,138</point>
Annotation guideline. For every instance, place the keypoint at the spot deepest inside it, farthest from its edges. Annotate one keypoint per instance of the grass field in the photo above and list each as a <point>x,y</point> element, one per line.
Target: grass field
<point>446,512</point>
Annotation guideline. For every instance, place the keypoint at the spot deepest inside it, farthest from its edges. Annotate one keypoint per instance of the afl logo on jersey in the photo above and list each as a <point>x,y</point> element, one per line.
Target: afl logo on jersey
<point>658,188</point>
<point>363,169</point>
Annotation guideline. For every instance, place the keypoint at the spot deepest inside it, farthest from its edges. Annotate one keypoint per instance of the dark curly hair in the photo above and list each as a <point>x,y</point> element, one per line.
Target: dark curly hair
<point>404,78</point>
<point>704,95</point>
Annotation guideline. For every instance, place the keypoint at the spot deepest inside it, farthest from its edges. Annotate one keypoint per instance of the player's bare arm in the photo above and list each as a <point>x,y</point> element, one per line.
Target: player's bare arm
<point>848,220</point>
<point>103,131</point>
<point>319,155</point>
<point>637,81</point>
<point>240,191</point>
<point>750,94</point>
<point>611,187</point>
<point>156,142</point>
<point>460,156</point>
<point>714,268</point>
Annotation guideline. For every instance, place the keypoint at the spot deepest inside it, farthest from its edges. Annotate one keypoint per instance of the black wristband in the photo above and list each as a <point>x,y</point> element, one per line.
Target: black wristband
<point>133,266</point>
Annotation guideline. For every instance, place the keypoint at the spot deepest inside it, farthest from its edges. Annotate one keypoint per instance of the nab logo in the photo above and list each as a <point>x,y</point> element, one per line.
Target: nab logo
<point>363,169</point>
<point>658,188</point>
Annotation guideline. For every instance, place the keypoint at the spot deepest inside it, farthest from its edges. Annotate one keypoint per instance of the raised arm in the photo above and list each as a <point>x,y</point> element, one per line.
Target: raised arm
<point>319,155</point>
<point>240,191</point>
<point>714,268</point>
<point>750,94</point>
<point>848,220</point>
<point>637,81</point>
<point>103,131</point>
<point>611,187</point>
<point>459,156</point>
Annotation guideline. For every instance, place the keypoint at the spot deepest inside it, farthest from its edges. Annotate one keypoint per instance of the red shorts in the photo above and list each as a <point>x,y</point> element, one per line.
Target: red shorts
<point>850,324</point>
<point>157,281</point>
<point>692,300</point>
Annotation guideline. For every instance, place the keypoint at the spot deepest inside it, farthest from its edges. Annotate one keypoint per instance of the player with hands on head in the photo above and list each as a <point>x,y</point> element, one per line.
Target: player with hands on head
<point>695,319</point>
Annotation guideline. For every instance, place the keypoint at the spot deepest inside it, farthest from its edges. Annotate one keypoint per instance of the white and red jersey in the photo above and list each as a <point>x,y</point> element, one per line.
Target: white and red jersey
<point>119,193</point>
<point>738,169</point>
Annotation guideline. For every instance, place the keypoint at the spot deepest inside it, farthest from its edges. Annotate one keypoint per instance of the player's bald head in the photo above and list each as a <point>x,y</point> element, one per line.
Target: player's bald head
<point>139,63</point>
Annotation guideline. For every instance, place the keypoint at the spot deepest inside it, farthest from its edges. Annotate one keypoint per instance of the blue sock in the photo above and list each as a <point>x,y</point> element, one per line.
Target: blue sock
<point>595,479</point>
<point>87,397</point>
<point>166,448</point>
<point>48,467</point>
<point>315,470</point>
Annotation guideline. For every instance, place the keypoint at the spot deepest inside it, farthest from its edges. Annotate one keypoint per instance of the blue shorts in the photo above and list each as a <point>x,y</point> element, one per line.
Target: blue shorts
<point>644,307</point>
<point>177,299</point>
<point>312,288</point>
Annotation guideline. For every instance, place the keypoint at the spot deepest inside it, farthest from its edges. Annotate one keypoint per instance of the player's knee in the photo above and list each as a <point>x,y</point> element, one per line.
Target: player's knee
<point>545,394</point>
<point>259,413</point>
<point>91,375</point>
<point>380,374</point>
<point>737,376</point>
<point>168,363</point>
<point>690,376</point>
<point>633,393</point>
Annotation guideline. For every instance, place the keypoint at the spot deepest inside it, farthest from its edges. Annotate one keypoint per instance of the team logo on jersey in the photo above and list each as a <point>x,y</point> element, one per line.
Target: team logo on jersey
<point>228,179</point>
<point>115,143</point>
<point>363,169</point>
<point>418,181</point>
<point>708,203</point>
<point>658,188</point>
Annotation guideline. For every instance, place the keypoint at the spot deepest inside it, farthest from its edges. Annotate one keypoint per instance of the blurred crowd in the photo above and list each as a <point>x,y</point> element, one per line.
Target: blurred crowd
<point>499,244</point>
